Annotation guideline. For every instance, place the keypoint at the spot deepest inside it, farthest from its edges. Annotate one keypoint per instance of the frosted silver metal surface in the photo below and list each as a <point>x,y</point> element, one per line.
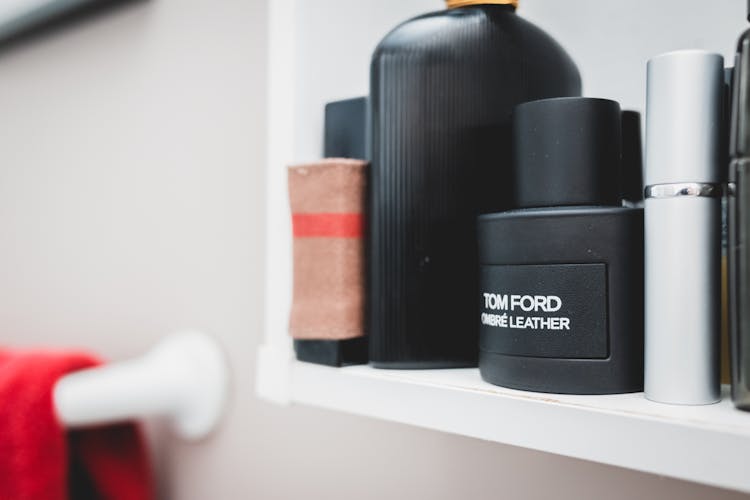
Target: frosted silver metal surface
<point>683,233</point>
<point>683,282</point>
<point>683,121</point>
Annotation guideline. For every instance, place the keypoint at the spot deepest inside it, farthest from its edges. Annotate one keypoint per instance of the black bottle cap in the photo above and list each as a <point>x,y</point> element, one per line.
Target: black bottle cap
<point>632,157</point>
<point>346,129</point>
<point>567,151</point>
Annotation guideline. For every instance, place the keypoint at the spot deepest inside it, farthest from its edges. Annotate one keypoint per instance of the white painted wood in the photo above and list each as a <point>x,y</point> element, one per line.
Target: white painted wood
<point>275,353</point>
<point>704,444</point>
<point>273,372</point>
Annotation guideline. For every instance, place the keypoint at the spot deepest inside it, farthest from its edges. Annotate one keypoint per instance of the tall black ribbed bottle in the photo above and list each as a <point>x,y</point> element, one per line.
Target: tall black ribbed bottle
<point>442,88</point>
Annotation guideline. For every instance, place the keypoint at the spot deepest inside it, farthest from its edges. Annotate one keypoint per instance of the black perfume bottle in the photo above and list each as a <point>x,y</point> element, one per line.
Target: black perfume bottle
<point>443,87</point>
<point>561,279</point>
<point>738,221</point>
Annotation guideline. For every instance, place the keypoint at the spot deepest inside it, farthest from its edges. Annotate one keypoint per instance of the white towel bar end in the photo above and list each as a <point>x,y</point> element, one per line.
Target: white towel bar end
<point>185,378</point>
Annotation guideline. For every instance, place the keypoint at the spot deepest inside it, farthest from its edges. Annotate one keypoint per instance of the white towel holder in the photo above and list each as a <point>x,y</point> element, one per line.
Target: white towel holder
<point>185,378</point>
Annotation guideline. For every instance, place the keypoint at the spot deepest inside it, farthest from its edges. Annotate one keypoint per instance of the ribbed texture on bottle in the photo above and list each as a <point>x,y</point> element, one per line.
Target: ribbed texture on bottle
<point>443,88</point>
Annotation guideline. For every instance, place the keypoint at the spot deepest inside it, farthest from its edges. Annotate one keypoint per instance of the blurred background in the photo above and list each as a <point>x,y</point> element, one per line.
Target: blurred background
<point>133,203</point>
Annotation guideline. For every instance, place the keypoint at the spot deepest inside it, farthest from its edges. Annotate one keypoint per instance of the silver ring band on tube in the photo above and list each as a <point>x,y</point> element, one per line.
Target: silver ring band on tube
<point>691,189</point>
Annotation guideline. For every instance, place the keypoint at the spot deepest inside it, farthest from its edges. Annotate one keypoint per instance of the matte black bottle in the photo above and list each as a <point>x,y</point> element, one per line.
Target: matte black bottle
<point>561,279</point>
<point>443,86</point>
<point>738,221</point>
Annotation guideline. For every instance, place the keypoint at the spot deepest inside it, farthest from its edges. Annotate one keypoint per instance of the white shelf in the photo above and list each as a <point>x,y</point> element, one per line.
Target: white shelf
<point>308,66</point>
<point>706,444</point>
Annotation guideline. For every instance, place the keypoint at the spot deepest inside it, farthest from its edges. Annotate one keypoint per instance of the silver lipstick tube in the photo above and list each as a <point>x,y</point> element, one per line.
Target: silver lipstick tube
<point>683,227</point>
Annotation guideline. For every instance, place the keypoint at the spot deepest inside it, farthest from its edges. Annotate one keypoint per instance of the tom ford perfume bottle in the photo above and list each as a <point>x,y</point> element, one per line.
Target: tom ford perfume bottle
<point>561,278</point>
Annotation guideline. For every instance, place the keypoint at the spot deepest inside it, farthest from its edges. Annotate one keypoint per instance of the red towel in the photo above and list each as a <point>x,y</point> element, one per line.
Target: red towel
<point>39,459</point>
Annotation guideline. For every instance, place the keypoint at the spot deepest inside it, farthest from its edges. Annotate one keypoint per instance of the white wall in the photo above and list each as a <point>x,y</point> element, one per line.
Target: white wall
<point>132,204</point>
<point>131,200</point>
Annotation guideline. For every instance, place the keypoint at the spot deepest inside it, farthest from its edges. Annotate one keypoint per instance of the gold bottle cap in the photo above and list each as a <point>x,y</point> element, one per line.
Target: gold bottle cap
<point>452,4</point>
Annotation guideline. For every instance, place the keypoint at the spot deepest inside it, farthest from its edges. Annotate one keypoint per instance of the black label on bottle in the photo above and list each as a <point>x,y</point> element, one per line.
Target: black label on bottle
<point>550,311</point>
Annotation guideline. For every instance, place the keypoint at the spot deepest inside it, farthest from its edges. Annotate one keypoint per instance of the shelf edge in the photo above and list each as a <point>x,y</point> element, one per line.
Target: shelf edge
<point>654,446</point>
